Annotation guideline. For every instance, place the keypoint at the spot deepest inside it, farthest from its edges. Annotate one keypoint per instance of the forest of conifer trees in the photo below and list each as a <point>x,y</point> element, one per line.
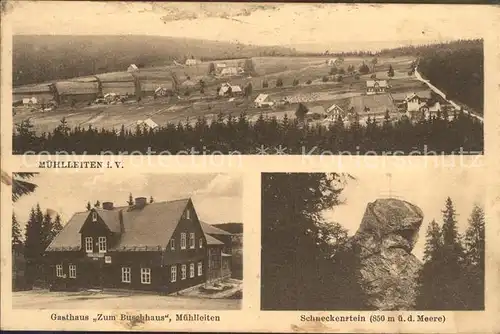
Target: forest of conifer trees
<point>237,135</point>
<point>457,69</point>
<point>301,268</point>
<point>452,277</point>
<point>40,230</point>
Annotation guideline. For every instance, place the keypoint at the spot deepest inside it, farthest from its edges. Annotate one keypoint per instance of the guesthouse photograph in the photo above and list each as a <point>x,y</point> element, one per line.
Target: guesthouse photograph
<point>174,243</point>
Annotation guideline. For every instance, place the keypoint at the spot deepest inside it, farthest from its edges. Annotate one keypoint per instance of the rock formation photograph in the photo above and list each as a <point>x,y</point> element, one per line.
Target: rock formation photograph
<point>341,241</point>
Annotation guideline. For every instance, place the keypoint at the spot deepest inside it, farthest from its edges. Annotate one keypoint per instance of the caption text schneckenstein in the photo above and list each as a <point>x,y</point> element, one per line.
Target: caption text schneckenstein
<point>372,318</point>
<point>141,317</point>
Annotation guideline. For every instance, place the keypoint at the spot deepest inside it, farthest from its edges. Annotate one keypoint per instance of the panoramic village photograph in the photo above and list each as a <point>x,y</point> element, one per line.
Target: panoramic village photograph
<point>170,241</point>
<point>264,79</point>
<point>373,241</point>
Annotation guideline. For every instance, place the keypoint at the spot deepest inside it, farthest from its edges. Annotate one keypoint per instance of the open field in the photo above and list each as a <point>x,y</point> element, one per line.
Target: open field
<point>348,92</point>
<point>43,299</point>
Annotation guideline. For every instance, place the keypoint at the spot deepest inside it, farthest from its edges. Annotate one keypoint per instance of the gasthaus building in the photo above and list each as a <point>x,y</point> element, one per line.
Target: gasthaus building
<point>157,246</point>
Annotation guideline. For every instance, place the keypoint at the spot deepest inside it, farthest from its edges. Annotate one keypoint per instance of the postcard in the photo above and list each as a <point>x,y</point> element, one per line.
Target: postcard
<point>250,167</point>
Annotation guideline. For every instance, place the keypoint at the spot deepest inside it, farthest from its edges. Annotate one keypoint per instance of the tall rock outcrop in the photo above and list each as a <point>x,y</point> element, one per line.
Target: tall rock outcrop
<point>385,239</point>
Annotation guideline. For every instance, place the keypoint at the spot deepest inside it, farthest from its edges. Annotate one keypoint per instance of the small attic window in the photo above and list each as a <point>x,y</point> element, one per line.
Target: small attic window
<point>188,214</point>
<point>94,216</point>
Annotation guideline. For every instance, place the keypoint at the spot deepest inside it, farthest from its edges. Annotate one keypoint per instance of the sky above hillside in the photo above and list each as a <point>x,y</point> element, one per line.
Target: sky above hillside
<point>216,197</point>
<point>306,27</point>
<point>425,188</point>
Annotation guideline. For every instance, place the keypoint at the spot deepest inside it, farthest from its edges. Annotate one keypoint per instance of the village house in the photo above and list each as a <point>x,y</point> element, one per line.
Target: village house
<point>163,91</point>
<point>334,111</point>
<point>148,124</point>
<point>228,89</point>
<point>132,68</point>
<point>262,100</point>
<point>191,62</point>
<point>230,71</point>
<point>376,87</point>
<point>334,62</point>
<point>414,102</point>
<point>158,246</point>
<point>418,106</point>
<point>156,89</point>
<point>30,101</point>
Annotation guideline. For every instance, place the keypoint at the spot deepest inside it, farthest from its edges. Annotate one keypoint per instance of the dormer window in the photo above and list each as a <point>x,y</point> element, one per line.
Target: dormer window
<point>94,216</point>
<point>102,244</point>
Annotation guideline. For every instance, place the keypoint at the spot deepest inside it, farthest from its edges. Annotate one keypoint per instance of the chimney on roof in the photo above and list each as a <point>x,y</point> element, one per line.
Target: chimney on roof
<point>140,202</point>
<point>107,205</point>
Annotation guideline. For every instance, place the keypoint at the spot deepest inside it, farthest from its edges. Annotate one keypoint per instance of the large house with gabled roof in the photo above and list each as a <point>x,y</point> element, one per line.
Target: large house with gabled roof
<point>157,246</point>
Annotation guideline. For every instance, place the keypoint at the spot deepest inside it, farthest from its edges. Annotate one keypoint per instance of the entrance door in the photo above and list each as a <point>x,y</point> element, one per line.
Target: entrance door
<point>94,275</point>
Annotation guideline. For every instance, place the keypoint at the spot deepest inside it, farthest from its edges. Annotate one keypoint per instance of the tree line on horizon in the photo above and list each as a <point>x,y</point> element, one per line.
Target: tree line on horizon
<point>42,58</point>
<point>309,263</point>
<point>232,135</point>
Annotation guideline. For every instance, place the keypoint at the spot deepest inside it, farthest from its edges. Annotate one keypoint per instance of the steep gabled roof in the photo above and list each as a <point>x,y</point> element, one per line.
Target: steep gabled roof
<point>411,96</point>
<point>380,83</point>
<point>111,218</point>
<point>333,107</point>
<point>132,67</point>
<point>152,225</point>
<point>69,237</point>
<point>149,123</point>
<point>261,98</point>
<point>209,229</point>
